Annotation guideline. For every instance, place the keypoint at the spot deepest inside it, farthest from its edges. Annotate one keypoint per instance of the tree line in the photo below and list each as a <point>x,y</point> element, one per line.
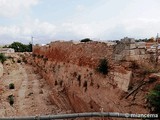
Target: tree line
<point>19,47</point>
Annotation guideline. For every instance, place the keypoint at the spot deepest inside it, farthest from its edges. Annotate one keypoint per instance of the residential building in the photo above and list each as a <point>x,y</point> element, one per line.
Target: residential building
<point>7,50</point>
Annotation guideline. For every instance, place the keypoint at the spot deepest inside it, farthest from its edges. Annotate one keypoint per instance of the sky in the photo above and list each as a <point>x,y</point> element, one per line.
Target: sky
<point>50,20</point>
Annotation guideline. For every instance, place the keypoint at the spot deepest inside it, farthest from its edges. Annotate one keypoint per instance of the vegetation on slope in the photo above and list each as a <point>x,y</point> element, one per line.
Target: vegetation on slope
<point>103,66</point>
<point>154,99</point>
<point>2,58</point>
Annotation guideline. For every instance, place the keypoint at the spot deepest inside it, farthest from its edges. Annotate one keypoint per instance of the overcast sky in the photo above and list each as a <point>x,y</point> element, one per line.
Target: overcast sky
<point>48,20</point>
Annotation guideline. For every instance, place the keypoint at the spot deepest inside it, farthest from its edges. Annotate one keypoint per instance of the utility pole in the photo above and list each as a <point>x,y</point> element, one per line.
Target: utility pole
<point>157,53</point>
<point>32,42</point>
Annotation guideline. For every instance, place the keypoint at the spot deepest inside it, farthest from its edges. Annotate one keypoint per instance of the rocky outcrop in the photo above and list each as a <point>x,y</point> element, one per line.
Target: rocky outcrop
<point>123,79</point>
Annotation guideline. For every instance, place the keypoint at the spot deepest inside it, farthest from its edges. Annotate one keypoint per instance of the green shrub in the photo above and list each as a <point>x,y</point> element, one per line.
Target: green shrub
<point>154,99</point>
<point>45,59</point>
<point>11,86</point>
<point>11,99</point>
<point>134,65</point>
<point>98,86</point>
<point>74,74</point>
<point>103,66</point>
<point>42,56</point>
<point>152,79</point>
<point>91,84</point>
<point>86,40</point>
<point>13,60</point>
<point>19,61</point>
<point>9,57</point>
<point>85,85</point>
<point>148,71</point>
<point>61,83</point>
<point>55,83</point>
<point>2,58</point>
<point>79,79</point>
<point>25,61</point>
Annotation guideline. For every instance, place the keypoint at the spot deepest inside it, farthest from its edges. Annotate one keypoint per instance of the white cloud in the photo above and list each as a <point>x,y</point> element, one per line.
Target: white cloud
<point>113,19</point>
<point>81,30</point>
<point>108,19</point>
<point>108,29</point>
<point>80,8</point>
<point>11,8</point>
<point>24,32</point>
<point>11,30</point>
<point>38,28</point>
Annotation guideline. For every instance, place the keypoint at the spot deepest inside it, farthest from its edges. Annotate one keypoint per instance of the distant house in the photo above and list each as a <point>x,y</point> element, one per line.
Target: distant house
<point>149,45</point>
<point>7,50</point>
<point>141,44</point>
<point>152,43</point>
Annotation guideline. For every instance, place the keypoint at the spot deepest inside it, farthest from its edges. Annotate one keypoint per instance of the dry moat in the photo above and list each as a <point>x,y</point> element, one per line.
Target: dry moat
<point>64,77</point>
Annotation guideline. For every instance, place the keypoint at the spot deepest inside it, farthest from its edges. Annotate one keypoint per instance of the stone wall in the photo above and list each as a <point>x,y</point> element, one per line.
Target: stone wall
<point>129,50</point>
<point>70,70</point>
<point>81,54</point>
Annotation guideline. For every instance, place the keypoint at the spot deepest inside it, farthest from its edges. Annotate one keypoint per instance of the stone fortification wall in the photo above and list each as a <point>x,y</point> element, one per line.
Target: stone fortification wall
<point>128,49</point>
<point>81,54</point>
<point>70,70</point>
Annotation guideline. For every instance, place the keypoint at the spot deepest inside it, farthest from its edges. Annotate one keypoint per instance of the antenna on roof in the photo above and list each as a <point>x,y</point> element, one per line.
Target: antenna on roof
<point>157,53</point>
<point>157,37</point>
<point>32,42</point>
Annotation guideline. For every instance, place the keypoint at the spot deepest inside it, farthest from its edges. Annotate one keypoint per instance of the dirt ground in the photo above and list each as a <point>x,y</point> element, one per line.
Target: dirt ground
<point>30,93</point>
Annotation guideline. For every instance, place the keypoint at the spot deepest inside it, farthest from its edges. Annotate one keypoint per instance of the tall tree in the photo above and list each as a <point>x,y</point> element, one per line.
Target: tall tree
<point>19,47</point>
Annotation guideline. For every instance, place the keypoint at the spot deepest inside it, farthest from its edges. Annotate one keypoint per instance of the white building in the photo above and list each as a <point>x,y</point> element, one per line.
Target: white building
<point>7,50</point>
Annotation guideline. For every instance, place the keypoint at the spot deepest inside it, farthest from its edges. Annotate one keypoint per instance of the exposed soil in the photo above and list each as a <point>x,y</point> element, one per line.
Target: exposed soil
<point>30,93</point>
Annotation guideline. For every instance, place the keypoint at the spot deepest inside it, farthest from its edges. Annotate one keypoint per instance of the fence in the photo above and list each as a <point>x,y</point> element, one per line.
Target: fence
<point>85,115</point>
